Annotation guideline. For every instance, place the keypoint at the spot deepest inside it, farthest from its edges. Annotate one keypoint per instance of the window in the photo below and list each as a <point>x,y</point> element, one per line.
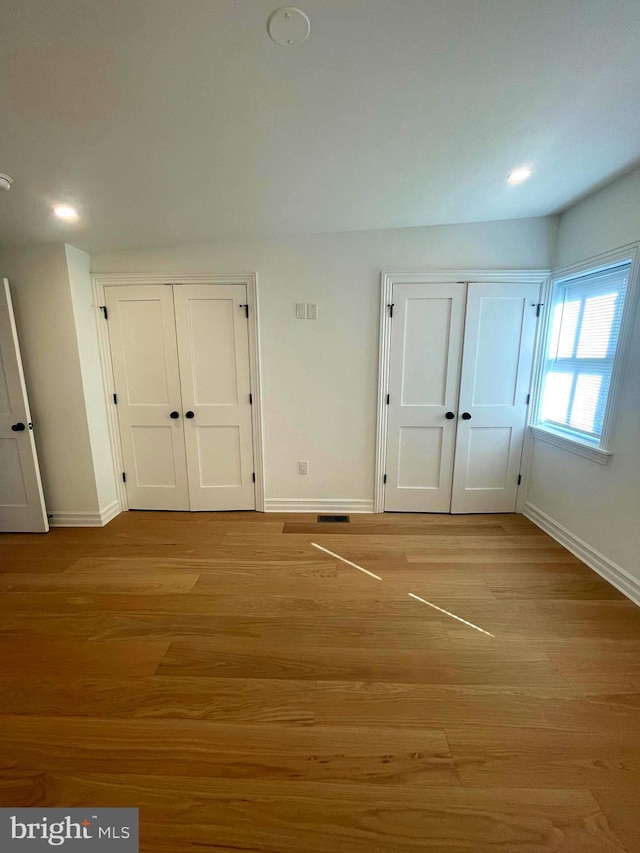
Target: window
<point>579,354</point>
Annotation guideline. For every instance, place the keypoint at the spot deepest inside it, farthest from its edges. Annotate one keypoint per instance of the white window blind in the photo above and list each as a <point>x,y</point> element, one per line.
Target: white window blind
<point>586,313</point>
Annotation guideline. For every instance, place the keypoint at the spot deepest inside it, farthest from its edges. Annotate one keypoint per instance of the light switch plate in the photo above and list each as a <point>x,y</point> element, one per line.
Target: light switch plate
<point>312,311</point>
<point>300,311</point>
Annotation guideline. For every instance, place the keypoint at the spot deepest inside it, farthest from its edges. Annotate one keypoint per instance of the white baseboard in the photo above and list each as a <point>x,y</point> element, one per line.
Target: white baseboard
<point>108,513</point>
<point>85,519</point>
<point>330,506</point>
<point>610,571</point>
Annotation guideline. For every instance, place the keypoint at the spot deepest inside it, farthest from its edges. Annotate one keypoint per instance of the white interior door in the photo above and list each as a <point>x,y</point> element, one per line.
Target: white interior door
<point>22,508</point>
<point>144,356</point>
<point>213,346</point>
<point>426,346</point>
<point>496,370</point>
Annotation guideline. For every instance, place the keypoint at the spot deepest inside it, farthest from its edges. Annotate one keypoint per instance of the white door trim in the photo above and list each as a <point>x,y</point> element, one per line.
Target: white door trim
<point>388,279</point>
<point>102,280</point>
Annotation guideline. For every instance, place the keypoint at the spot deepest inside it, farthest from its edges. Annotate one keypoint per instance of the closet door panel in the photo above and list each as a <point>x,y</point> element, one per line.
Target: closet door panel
<point>494,382</point>
<point>419,455</point>
<point>145,367</point>
<point>426,341</point>
<point>213,345</point>
<point>219,456</point>
<point>22,507</point>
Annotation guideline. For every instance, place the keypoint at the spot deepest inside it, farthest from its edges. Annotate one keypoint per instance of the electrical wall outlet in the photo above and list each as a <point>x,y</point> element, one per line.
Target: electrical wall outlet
<point>303,467</point>
<point>300,311</point>
<point>312,311</point>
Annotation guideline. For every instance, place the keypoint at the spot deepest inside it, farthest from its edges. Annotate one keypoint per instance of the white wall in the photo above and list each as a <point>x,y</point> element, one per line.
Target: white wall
<point>320,377</point>
<point>599,505</point>
<point>42,279</point>
<point>84,313</point>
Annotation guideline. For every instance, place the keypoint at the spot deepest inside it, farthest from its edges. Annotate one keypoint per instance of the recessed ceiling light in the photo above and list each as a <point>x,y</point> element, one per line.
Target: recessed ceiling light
<point>63,211</point>
<point>518,176</point>
<point>5,181</point>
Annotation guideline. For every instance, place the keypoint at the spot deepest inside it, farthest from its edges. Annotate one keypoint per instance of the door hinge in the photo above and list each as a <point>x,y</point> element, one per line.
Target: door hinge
<point>124,477</point>
<point>528,399</point>
<point>388,398</point>
<point>391,309</point>
<point>253,476</point>
<point>384,479</point>
<point>538,307</point>
<point>519,478</point>
<point>103,308</point>
<point>246,310</point>
<point>250,398</point>
<point>115,399</point>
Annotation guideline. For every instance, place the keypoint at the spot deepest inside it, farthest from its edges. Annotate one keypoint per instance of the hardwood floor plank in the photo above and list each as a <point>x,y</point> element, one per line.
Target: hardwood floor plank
<point>542,757</point>
<point>275,631</point>
<point>18,558</point>
<point>440,706</point>
<point>157,601</point>
<point>153,697</point>
<point>622,810</point>
<point>235,568</point>
<point>316,630</point>
<point>347,583</point>
<point>454,554</point>
<point>227,750</point>
<point>179,814</point>
<point>149,582</point>
<point>252,660</point>
<point>584,620</point>
<point>134,657</point>
<point>79,626</point>
<point>572,587</point>
<point>358,528</point>
<point>595,666</point>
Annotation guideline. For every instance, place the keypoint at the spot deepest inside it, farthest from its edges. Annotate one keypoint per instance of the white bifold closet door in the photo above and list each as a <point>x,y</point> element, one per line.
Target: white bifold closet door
<point>213,351</point>
<point>180,357</point>
<point>458,388</point>
<point>494,384</point>
<point>424,375</point>
<point>22,508</point>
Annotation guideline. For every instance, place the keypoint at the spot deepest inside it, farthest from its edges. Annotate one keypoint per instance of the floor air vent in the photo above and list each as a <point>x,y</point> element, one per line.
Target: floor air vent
<point>334,519</point>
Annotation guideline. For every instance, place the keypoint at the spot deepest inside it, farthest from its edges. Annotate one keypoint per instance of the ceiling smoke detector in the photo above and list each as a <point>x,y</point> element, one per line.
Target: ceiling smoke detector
<point>289,26</point>
<point>5,181</point>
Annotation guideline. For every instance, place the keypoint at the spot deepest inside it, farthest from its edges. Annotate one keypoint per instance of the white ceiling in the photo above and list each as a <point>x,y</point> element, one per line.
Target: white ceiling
<point>179,121</point>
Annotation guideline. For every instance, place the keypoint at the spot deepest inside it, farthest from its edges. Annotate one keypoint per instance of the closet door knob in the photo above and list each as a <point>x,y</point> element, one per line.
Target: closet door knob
<point>19,427</point>
<point>466,416</point>
<point>189,414</point>
<point>174,415</point>
<point>450,416</point>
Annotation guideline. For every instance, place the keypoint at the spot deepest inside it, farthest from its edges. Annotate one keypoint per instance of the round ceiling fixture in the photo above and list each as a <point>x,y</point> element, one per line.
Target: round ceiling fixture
<point>519,175</point>
<point>65,212</point>
<point>289,26</point>
<point>5,181</point>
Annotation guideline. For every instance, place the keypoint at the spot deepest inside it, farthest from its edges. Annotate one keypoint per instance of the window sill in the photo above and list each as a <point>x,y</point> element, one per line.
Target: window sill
<point>595,454</point>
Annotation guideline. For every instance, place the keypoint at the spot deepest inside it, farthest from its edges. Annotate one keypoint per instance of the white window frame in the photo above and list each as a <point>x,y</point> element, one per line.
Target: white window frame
<point>600,450</point>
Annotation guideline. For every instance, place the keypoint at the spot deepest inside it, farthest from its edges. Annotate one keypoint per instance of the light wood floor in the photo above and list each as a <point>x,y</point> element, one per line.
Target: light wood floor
<point>250,692</point>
